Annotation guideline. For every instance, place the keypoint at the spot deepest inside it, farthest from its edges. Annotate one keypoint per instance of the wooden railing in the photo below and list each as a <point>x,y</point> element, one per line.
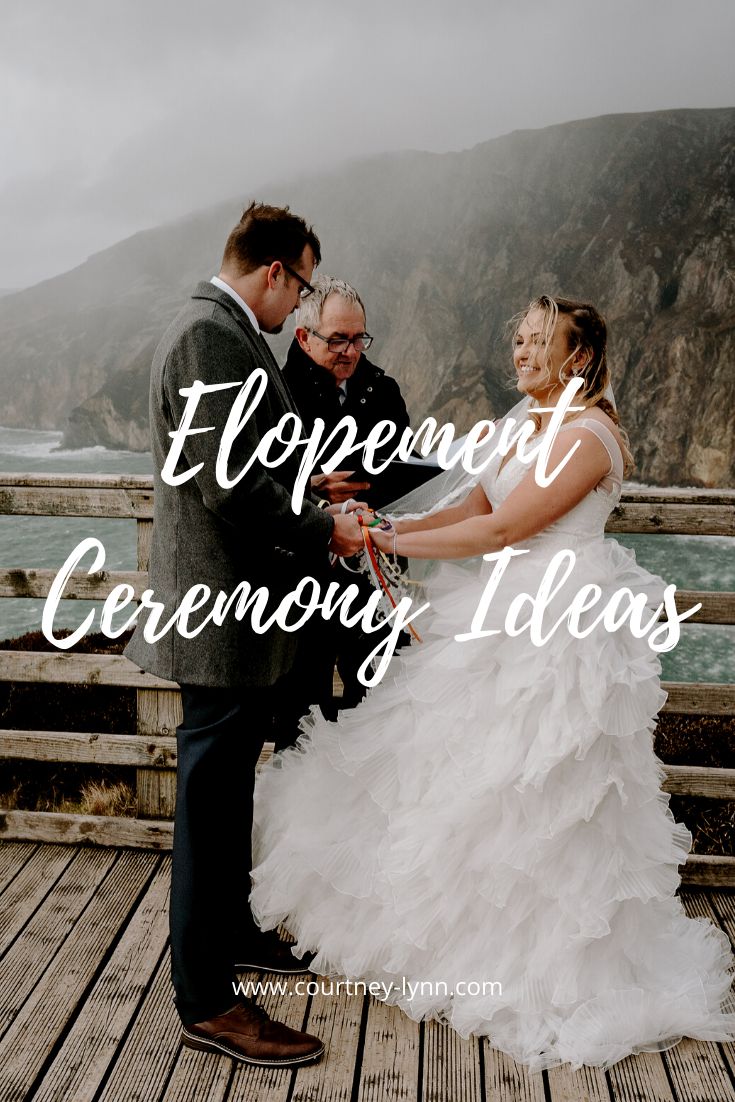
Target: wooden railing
<point>152,751</point>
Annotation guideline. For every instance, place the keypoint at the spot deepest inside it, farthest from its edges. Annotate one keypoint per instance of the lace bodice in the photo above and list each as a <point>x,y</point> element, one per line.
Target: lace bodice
<point>586,519</point>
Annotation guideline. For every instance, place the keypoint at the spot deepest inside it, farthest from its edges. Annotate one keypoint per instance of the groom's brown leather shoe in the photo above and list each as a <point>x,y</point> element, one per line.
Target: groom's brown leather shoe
<point>246,1033</point>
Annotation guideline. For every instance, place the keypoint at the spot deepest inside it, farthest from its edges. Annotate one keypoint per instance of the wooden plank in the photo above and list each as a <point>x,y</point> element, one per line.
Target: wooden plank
<point>158,712</point>
<point>390,1057</point>
<point>156,752</point>
<point>89,1047</point>
<point>143,1063</point>
<point>673,519</point>
<point>699,1072</point>
<point>13,856</point>
<point>200,1077</point>
<point>585,1085</point>
<point>505,1079</point>
<point>12,479</point>
<point>717,608</point>
<point>699,780</point>
<point>29,888</point>
<point>80,586</point>
<point>42,1019</point>
<point>100,830</point>
<point>631,492</point>
<point>61,501</point>
<point>707,871</point>
<point>723,905</point>
<point>24,964</point>
<point>336,1018</point>
<point>683,495</point>
<point>698,1069</point>
<point>699,698</point>
<point>269,1084</point>
<point>452,1066</point>
<point>58,667</point>
<point>640,1078</point>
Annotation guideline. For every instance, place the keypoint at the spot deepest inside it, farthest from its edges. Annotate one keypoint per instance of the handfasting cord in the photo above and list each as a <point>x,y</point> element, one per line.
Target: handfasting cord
<point>378,579</point>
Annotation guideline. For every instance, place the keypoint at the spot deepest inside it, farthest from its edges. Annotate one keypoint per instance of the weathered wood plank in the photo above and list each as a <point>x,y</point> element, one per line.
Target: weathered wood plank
<point>452,1066</point>
<point>673,519</point>
<point>100,830</point>
<point>699,698</point>
<point>64,501</point>
<point>706,871</point>
<point>717,608</point>
<point>51,1004</point>
<point>13,856</point>
<point>144,1061</point>
<point>80,586</point>
<point>155,752</point>
<point>29,888</point>
<point>200,1077</point>
<point>683,495</point>
<point>57,667</point>
<point>90,1046</point>
<point>26,960</point>
<point>698,1071</point>
<point>336,1019</point>
<point>640,1078</point>
<point>268,1084</point>
<point>156,789</point>
<point>585,1085</point>
<point>13,479</point>
<point>699,780</point>
<point>390,1057</point>
<point>504,1078</point>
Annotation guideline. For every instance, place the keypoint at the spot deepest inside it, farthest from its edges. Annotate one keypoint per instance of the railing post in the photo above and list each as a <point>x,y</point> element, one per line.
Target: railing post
<point>158,713</point>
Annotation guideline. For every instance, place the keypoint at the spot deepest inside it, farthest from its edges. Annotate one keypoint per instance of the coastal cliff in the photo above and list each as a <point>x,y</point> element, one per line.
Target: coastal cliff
<point>634,212</point>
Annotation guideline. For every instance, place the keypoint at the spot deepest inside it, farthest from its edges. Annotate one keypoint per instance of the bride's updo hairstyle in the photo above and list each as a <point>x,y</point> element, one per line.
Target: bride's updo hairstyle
<point>586,332</point>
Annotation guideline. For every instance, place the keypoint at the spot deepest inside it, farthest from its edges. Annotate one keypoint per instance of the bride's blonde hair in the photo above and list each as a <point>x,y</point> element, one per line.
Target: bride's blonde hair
<point>586,332</point>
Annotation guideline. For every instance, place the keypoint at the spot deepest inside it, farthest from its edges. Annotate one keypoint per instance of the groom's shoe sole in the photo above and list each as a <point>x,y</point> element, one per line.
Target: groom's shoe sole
<point>190,1040</point>
<point>296,969</point>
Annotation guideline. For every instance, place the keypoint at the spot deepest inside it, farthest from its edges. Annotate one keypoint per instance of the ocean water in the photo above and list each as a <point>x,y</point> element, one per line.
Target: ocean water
<point>705,652</point>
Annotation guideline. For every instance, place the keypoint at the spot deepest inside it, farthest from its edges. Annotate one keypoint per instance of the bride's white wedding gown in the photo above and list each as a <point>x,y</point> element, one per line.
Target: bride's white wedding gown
<point>492,812</point>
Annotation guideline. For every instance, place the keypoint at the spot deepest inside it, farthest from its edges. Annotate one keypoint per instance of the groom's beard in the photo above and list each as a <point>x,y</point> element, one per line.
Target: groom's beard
<point>273,329</point>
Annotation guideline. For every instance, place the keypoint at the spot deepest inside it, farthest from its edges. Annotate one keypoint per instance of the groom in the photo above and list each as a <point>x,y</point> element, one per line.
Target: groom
<point>203,533</point>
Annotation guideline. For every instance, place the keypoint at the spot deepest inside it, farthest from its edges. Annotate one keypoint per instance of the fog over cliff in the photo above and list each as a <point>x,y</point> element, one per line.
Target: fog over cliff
<point>635,212</point>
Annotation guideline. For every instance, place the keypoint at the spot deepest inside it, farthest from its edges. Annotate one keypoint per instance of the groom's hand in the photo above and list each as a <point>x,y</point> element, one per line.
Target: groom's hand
<point>347,535</point>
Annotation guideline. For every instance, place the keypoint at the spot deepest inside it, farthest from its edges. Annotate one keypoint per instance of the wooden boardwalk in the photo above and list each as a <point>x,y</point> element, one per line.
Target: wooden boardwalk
<point>86,1013</point>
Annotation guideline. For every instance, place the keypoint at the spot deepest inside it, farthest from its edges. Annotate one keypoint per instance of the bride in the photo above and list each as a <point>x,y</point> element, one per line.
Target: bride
<point>485,836</point>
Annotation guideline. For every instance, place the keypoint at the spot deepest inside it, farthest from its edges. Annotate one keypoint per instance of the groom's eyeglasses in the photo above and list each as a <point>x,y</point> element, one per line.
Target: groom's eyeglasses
<point>306,288</point>
<point>360,343</point>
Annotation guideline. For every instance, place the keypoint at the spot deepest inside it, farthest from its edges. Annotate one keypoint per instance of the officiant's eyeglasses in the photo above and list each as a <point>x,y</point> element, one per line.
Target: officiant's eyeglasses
<point>306,288</point>
<point>340,344</point>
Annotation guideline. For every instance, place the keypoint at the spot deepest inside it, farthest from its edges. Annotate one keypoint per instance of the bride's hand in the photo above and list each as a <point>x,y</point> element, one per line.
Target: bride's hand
<point>382,540</point>
<point>350,507</point>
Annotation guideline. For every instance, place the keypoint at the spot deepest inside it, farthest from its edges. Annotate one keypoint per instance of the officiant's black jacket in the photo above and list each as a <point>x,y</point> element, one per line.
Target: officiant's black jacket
<point>372,396</point>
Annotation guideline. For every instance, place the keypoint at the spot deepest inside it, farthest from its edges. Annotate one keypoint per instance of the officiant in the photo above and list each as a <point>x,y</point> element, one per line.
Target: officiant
<point>329,376</point>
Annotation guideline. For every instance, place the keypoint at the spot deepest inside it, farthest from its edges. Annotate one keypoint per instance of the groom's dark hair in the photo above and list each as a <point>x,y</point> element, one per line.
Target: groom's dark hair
<point>265,234</point>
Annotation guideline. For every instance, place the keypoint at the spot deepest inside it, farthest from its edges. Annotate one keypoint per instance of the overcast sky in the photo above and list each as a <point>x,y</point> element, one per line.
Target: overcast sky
<point>117,116</point>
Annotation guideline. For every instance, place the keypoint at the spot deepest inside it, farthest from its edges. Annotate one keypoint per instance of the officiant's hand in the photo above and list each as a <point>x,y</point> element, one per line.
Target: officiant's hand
<point>336,487</point>
<point>347,536</point>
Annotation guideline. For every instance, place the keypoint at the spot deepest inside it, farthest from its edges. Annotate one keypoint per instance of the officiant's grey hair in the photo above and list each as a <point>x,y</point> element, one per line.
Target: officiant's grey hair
<point>309,312</point>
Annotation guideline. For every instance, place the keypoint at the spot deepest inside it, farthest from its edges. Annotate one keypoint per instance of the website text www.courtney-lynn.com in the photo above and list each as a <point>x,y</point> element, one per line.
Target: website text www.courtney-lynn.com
<point>378,988</point>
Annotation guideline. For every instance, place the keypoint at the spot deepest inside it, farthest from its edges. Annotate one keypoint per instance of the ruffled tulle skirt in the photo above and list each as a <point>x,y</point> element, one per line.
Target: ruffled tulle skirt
<point>487,834</point>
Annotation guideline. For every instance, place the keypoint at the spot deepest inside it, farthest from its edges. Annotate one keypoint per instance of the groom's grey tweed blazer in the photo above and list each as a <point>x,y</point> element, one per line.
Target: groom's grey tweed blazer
<point>203,533</point>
